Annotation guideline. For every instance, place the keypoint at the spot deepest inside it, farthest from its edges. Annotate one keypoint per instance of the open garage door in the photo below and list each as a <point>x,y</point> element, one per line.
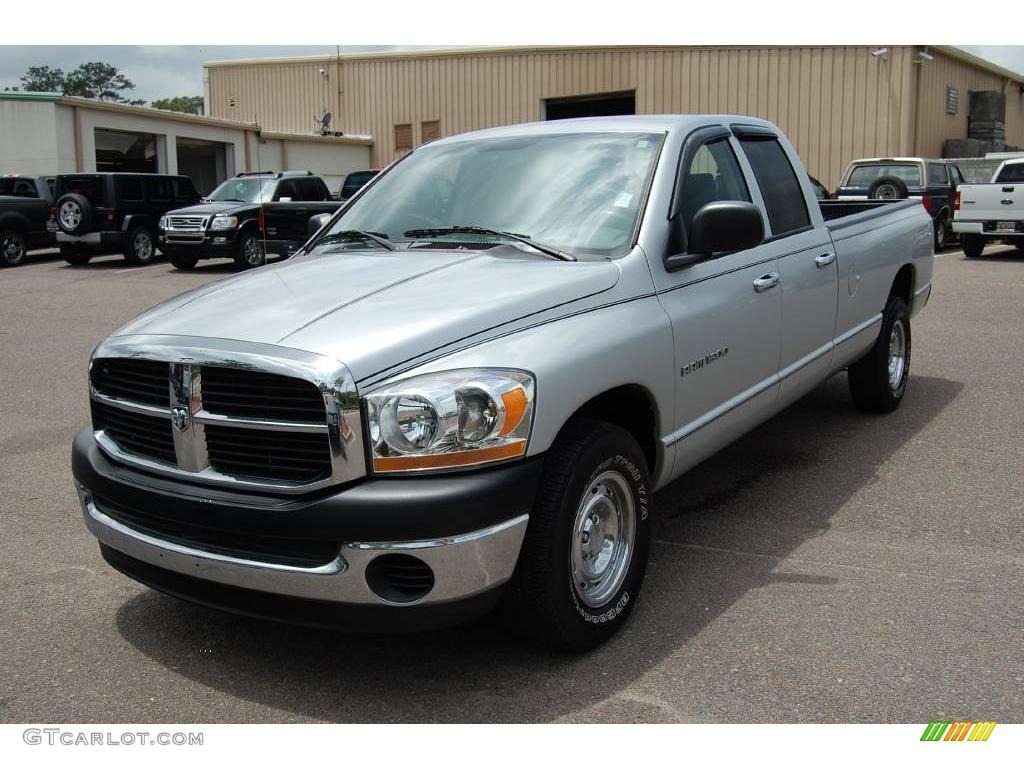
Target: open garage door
<point>592,105</point>
<point>202,161</point>
<point>125,151</point>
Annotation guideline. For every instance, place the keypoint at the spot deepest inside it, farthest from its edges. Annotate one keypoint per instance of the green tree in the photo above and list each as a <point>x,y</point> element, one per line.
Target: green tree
<point>92,80</point>
<point>191,104</point>
<point>98,80</point>
<point>46,79</point>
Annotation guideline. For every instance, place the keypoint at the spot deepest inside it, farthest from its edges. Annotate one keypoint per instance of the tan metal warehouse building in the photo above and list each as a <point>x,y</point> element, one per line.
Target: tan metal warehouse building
<point>835,103</point>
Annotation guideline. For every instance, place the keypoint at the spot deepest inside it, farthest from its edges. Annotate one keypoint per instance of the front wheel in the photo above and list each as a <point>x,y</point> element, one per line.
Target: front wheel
<point>141,246</point>
<point>585,553</point>
<point>183,261</point>
<point>878,380</point>
<point>973,245</point>
<point>13,247</point>
<point>249,251</point>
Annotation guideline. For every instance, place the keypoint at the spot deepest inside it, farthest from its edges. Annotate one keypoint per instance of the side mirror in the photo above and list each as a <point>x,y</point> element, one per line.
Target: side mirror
<point>316,223</point>
<point>725,226</point>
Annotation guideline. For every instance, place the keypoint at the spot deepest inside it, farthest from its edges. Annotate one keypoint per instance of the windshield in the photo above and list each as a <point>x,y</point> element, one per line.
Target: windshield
<point>863,175</point>
<point>579,193</point>
<point>244,190</point>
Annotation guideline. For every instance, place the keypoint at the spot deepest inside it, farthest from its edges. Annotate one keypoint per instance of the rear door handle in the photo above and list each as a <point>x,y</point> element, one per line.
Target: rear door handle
<point>766,282</point>
<point>824,260</point>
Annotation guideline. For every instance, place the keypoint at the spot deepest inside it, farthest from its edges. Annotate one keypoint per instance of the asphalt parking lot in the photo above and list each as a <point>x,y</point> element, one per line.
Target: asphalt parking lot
<point>829,567</point>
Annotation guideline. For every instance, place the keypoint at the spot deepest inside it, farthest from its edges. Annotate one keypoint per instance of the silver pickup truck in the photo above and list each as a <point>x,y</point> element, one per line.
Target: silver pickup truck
<point>463,392</point>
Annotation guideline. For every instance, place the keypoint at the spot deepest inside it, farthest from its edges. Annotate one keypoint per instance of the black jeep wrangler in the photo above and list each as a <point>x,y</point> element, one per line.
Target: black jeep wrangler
<point>99,213</point>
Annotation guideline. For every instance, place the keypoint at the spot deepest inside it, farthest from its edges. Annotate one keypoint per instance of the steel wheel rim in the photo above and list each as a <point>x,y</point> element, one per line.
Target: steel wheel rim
<point>253,252</point>
<point>940,235</point>
<point>143,247</point>
<point>603,535</point>
<point>70,216</point>
<point>886,192</point>
<point>897,355</point>
<point>12,249</point>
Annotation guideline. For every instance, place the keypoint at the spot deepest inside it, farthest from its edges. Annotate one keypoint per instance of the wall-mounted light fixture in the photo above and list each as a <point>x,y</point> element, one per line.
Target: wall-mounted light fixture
<point>922,57</point>
<point>881,54</point>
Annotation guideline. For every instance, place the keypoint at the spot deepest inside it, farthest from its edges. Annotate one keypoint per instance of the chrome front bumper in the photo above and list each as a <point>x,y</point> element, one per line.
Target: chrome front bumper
<point>464,566</point>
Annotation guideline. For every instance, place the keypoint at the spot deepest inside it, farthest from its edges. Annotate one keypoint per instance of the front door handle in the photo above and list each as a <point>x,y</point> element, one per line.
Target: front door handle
<point>824,260</point>
<point>766,282</point>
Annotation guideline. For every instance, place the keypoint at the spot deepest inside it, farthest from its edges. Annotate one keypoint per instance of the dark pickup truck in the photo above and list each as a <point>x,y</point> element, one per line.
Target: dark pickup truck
<point>933,182</point>
<point>246,217</point>
<point>25,203</point>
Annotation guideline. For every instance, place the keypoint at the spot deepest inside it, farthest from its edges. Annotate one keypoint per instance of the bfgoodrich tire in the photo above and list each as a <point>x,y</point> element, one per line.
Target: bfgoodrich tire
<point>585,553</point>
<point>878,380</point>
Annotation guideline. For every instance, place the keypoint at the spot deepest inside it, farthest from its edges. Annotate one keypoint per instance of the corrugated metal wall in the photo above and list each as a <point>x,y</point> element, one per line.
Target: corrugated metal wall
<point>934,125</point>
<point>835,103</point>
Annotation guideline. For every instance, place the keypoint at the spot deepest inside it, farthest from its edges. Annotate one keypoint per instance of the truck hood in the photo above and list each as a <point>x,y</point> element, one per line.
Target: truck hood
<point>373,310</point>
<point>210,209</point>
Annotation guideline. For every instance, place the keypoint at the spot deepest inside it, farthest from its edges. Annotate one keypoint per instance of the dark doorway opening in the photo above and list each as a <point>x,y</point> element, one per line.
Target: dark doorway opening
<point>125,151</point>
<point>592,105</point>
<point>203,162</point>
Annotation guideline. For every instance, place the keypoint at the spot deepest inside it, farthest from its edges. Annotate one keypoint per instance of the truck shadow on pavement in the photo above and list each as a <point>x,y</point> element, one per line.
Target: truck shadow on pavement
<point>763,496</point>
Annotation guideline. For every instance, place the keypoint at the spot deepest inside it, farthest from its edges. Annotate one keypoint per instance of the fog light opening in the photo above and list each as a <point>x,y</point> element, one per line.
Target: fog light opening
<point>399,578</point>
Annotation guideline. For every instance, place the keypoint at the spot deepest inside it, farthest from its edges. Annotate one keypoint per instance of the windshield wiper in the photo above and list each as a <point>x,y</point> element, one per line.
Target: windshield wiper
<point>358,234</point>
<point>472,230</point>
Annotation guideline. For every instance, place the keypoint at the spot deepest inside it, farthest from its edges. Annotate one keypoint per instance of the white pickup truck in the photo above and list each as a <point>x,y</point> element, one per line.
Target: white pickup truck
<point>983,213</point>
<point>464,391</point>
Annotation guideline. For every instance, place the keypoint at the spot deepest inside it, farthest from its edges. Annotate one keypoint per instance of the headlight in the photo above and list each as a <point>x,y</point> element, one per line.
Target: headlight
<point>162,223</point>
<point>224,222</point>
<point>454,419</point>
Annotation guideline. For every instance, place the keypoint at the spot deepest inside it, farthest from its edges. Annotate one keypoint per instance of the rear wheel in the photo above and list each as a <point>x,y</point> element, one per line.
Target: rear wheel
<point>13,247</point>
<point>878,380</point>
<point>140,248</point>
<point>941,236</point>
<point>249,251</point>
<point>74,256</point>
<point>973,245</point>
<point>585,553</point>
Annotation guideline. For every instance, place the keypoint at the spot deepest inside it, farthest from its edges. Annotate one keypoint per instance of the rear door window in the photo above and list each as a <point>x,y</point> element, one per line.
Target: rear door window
<point>864,175</point>
<point>937,176</point>
<point>159,190</point>
<point>780,188</point>
<point>184,192</point>
<point>129,189</point>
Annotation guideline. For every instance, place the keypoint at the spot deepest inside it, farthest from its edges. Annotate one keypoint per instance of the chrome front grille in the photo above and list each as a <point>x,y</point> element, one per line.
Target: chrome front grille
<point>228,417</point>
<point>187,223</point>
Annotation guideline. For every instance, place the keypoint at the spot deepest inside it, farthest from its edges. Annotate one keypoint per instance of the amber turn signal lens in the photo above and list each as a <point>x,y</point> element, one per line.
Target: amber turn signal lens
<point>445,460</point>
<point>515,408</point>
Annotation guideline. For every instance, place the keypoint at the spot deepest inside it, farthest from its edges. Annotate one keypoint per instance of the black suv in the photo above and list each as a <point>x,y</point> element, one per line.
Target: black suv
<point>246,217</point>
<point>115,213</point>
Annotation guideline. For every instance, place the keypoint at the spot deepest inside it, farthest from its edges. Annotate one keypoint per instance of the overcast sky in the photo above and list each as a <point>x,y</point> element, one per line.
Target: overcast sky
<point>161,71</point>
